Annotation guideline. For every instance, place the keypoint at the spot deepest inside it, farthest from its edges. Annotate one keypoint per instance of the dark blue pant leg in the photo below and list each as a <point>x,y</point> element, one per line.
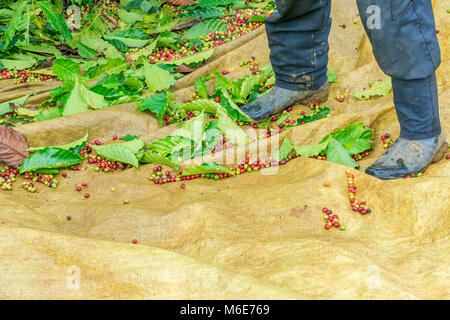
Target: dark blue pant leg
<point>405,45</point>
<point>298,40</point>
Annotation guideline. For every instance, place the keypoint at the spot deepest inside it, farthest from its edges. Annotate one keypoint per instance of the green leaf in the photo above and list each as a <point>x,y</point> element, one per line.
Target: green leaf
<point>18,64</point>
<point>49,158</point>
<point>132,33</point>
<point>230,129</point>
<point>117,153</point>
<point>194,58</point>
<point>14,22</point>
<point>56,20</point>
<point>4,106</point>
<point>223,83</point>
<point>337,153</point>
<point>332,77</point>
<point>48,114</point>
<point>312,150</point>
<point>130,17</point>
<point>166,40</point>
<point>377,88</point>
<point>68,146</point>
<point>129,137</point>
<point>356,138</point>
<point>119,45</point>
<point>214,3</point>
<point>260,18</point>
<point>134,145</point>
<point>205,168</point>
<point>132,85</point>
<point>318,114</point>
<point>207,106</point>
<point>193,129</point>
<point>283,117</point>
<point>26,112</point>
<point>249,84</point>
<point>284,151</point>
<point>85,51</point>
<point>201,29</point>
<point>80,98</point>
<point>93,40</point>
<point>46,171</point>
<point>123,152</point>
<point>270,81</point>
<point>113,66</point>
<point>157,79</point>
<point>262,4</point>
<point>156,103</point>
<point>154,157</point>
<point>41,48</point>
<point>233,109</point>
<point>200,88</point>
<point>205,13</point>
<point>211,137</point>
<point>66,70</point>
<point>130,42</point>
<point>147,6</point>
<point>170,146</point>
<point>144,52</point>
<point>268,70</point>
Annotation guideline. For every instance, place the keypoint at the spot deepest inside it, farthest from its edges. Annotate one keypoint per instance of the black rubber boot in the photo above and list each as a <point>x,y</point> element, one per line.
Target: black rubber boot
<point>279,99</point>
<point>408,157</point>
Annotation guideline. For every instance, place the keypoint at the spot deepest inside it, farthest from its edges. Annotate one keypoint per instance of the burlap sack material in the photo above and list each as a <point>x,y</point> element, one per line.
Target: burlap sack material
<point>248,237</point>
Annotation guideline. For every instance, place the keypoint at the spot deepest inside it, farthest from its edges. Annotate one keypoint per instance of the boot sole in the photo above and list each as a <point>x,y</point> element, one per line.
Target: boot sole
<point>440,154</point>
<point>318,97</point>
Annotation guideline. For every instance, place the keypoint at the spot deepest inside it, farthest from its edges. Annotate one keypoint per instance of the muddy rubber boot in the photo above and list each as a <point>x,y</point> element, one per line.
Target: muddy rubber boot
<point>408,157</point>
<point>279,99</point>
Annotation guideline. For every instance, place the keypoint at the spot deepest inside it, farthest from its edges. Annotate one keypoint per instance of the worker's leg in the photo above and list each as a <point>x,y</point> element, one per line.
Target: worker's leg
<point>404,42</point>
<point>298,40</point>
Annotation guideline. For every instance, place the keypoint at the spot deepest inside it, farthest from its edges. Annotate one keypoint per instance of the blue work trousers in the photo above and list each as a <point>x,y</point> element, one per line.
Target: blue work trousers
<point>404,42</point>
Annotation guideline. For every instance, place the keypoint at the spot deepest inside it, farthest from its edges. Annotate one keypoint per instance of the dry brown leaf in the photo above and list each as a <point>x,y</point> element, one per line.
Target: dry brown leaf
<point>186,24</point>
<point>181,2</point>
<point>13,146</point>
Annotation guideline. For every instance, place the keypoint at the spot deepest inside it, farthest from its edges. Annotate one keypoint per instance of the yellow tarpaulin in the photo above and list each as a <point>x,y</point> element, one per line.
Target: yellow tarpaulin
<point>246,237</point>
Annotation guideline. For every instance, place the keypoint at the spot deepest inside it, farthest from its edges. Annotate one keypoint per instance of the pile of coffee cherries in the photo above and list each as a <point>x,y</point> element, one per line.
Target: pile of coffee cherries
<point>24,76</point>
<point>246,166</point>
<point>29,186</point>
<point>46,179</point>
<point>361,155</point>
<point>332,220</point>
<point>359,206</point>
<point>102,164</point>
<point>7,178</point>
<point>160,177</point>
<point>237,26</point>
<point>254,67</point>
<point>222,144</point>
<point>387,140</point>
